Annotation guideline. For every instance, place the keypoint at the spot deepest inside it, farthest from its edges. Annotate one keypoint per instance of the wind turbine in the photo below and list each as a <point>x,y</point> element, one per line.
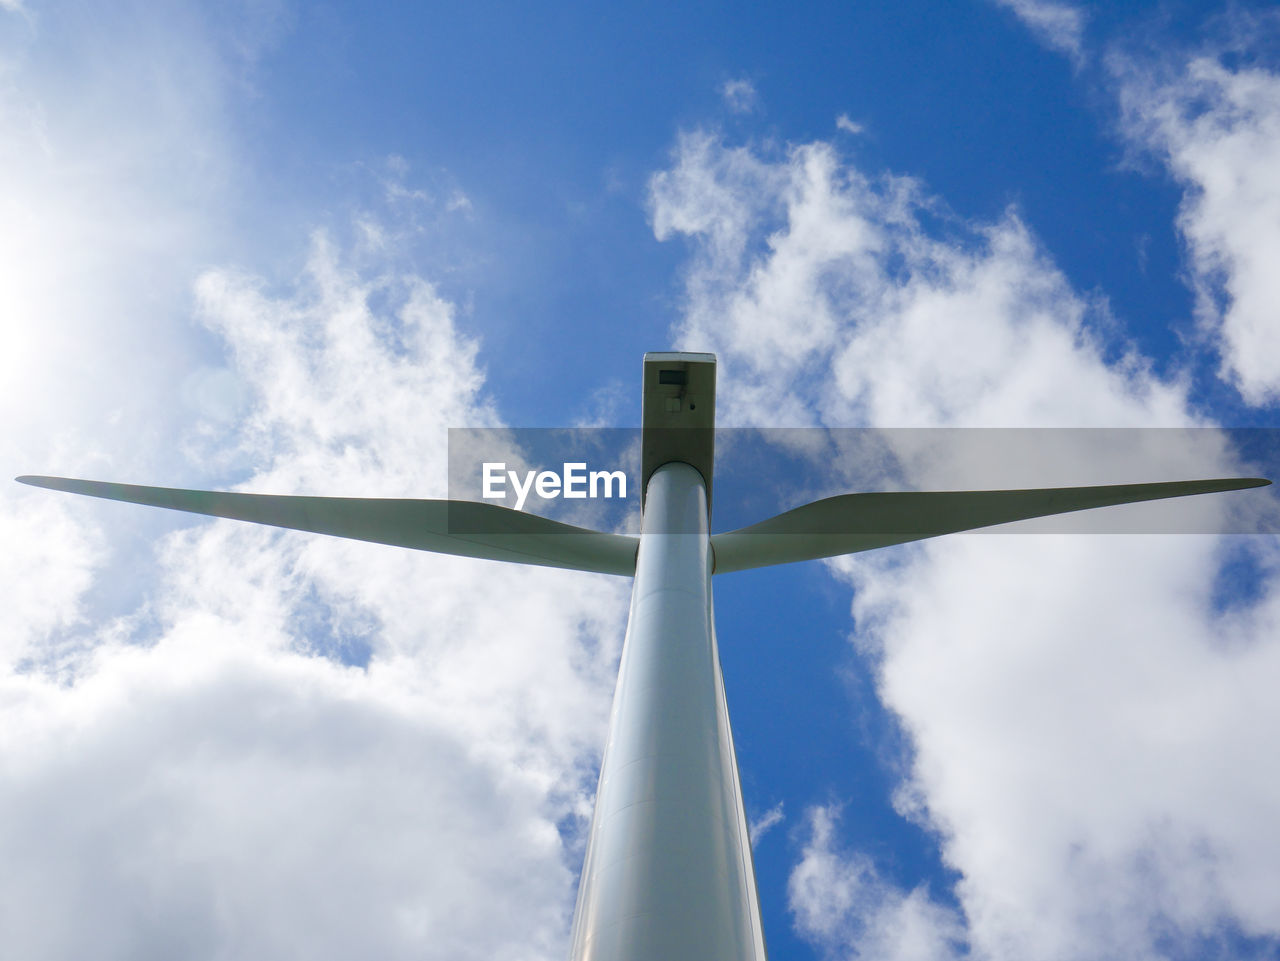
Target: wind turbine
<point>668,873</point>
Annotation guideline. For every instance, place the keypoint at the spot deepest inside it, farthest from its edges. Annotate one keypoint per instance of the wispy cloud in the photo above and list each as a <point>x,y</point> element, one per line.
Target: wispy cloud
<point>1056,24</point>
<point>766,822</point>
<point>739,95</point>
<point>848,126</point>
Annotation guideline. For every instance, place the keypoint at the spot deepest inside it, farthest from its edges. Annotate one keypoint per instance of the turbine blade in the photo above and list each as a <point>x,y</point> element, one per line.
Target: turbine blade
<point>464,528</point>
<point>849,523</point>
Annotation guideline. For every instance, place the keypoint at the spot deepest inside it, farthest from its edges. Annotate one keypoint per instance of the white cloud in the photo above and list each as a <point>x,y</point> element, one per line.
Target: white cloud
<point>1086,723</point>
<point>115,155</point>
<point>252,790</point>
<point>1087,732</point>
<point>766,822</point>
<point>46,566</point>
<point>186,801</point>
<point>807,270</point>
<point>848,126</point>
<point>1057,25</point>
<point>113,164</point>
<point>739,95</point>
<point>234,741</point>
<point>842,905</point>
<point>1218,131</point>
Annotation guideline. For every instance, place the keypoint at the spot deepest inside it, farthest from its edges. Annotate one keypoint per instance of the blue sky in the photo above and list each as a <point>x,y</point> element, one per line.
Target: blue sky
<point>285,247</point>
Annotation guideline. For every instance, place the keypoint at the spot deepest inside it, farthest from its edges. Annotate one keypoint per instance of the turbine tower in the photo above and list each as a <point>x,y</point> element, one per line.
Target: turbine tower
<point>668,874</point>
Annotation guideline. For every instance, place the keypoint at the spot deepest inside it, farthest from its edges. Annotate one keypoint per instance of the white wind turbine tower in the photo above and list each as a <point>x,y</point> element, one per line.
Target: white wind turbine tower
<point>668,874</point>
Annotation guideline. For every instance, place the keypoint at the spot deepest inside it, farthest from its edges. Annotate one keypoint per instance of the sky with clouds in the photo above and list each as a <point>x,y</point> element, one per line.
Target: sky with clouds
<point>283,248</point>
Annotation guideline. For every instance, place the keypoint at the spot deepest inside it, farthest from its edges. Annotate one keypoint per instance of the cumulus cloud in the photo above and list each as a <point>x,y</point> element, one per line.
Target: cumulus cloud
<point>842,904</point>
<point>196,802</point>
<point>47,577</point>
<point>805,265</point>
<point>1217,129</point>
<point>1085,715</point>
<point>1057,25</point>
<point>304,743</point>
<point>225,740</point>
